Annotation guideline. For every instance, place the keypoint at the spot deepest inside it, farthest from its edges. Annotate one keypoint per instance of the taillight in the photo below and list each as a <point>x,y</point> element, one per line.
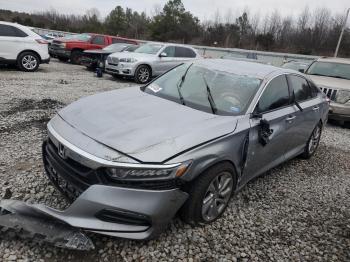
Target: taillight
<point>42,41</point>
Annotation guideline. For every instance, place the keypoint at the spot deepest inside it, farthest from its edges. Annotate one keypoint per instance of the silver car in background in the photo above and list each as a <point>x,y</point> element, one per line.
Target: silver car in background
<point>149,60</point>
<point>332,75</point>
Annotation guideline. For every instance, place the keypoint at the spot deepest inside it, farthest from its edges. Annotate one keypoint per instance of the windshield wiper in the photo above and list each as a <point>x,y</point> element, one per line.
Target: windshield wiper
<point>210,97</point>
<point>179,85</point>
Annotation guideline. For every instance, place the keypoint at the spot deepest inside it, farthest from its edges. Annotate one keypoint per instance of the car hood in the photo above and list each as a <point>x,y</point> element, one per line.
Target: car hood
<point>330,82</point>
<point>145,127</point>
<point>133,55</point>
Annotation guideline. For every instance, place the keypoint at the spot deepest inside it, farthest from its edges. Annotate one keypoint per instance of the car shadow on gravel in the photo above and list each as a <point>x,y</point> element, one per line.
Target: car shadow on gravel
<point>23,105</point>
<point>38,113</point>
<point>332,122</point>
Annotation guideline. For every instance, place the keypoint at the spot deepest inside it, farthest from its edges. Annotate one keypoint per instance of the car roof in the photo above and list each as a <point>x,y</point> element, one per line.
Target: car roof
<point>253,69</point>
<point>334,60</point>
<point>26,29</point>
<point>14,24</point>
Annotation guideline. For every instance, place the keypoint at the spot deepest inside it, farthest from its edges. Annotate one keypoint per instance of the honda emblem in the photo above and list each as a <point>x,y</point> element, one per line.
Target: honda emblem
<point>61,151</point>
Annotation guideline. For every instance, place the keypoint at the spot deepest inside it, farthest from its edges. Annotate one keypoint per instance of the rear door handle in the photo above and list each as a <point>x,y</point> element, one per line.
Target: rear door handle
<point>290,118</point>
<point>315,108</point>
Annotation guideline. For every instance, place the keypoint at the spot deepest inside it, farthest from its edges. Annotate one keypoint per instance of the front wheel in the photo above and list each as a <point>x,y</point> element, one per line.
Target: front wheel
<point>28,62</point>
<point>143,74</point>
<point>209,195</point>
<point>313,142</point>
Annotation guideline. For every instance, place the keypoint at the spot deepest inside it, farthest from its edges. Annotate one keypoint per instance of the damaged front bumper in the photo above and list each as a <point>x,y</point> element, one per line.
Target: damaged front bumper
<point>125,210</point>
<point>115,211</point>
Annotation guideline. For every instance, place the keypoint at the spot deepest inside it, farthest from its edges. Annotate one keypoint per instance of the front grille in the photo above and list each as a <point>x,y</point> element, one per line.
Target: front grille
<point>330,93</point>
<point>69,176</point>
<point>113,60</point>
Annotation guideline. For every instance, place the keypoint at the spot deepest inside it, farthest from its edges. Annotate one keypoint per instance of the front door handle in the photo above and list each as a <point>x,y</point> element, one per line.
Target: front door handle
<point>315,108</point>
<point>290,118</point>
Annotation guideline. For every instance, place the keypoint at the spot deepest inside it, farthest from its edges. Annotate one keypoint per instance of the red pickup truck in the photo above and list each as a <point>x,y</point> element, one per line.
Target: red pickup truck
<point>71,47</point>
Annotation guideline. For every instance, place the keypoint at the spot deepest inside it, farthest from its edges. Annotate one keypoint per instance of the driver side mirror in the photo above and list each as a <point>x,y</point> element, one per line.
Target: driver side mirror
<point>256,115</point>
<point>163,54</point>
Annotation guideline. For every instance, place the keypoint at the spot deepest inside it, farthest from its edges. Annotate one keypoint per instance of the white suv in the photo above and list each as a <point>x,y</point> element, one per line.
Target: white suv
<point>20,45</point>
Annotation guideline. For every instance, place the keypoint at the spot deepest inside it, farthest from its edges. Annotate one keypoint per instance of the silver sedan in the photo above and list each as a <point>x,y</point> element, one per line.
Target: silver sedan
<point>149,60</point>
<point>130,159</point>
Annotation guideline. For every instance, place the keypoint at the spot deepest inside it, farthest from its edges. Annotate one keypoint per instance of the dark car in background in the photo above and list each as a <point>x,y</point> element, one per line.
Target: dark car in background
<point>96,57</point>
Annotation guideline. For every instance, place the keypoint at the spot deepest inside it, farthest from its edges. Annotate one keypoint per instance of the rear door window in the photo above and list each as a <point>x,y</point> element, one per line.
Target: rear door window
<point>184,52</point>
<point>300,87</point>
<point>11,31</point>
<point>276,95</point>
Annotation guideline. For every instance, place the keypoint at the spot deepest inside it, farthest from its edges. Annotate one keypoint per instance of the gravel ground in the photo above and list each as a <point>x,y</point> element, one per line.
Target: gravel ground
<point>299,211</point>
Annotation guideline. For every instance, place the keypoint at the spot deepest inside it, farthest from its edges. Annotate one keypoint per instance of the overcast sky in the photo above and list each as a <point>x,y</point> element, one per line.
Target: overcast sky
<point>204,9</point>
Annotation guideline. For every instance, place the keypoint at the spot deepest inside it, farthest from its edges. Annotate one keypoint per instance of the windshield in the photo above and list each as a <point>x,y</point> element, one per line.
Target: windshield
<point>149,49</point>
<point>131,48</point>
<point>206,89</point>
<point>81,37</point>
<point>337,70</point>
<point>115,47</point>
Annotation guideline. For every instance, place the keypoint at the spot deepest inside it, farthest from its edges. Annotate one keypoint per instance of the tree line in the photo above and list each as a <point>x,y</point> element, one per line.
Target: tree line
<point>312,32</point>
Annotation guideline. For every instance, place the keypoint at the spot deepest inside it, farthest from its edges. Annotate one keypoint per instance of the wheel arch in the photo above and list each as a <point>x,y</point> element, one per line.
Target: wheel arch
<point>77,49</point>
<point>29,50</point>
<point>217,162</point>
<point>145,64</point>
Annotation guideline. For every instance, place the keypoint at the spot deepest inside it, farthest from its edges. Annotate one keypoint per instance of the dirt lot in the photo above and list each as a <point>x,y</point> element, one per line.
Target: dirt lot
<point>299,211</point>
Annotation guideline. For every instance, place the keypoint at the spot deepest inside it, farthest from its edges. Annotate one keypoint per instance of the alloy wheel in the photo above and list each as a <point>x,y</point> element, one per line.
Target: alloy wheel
<point>217,196</point>
<point>143,74</point>
<point>314,140</point>
<point>29,62</point>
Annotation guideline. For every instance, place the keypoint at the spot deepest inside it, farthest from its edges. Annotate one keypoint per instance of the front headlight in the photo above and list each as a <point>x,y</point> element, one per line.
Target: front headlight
<point>127,60</point>
<point>342,96</point>
<point>125,173</point>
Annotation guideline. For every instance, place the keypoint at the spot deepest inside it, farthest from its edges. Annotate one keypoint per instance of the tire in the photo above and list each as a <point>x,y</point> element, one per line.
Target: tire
<point>63,59</point>
<point>313,142</point>
<point>75,57</point>
<point>28,62</point>
<point>195,211</point>
<point>143,74</point>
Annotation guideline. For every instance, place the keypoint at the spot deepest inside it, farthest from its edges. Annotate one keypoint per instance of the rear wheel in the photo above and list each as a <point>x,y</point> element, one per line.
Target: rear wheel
<point>209,195</point>
<point>76,56</point>
<point>28,62</point>
<point>143,74</point>
<point>313,142</point>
